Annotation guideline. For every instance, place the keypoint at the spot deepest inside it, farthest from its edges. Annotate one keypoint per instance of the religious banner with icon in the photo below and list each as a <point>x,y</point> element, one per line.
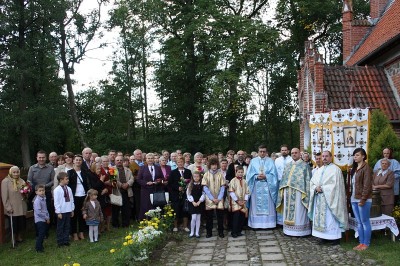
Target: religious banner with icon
<point>340,132</point>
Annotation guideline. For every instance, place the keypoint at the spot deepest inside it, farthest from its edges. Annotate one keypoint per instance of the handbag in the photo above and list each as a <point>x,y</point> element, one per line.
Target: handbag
<point>186,206</point>
<point>159,198</point>
<point>116,199</point>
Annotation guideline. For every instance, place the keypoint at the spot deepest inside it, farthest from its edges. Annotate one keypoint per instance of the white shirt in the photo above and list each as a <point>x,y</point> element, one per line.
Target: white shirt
<point>152,171</point>
<point>80,191</point>
<point>60,205</point>
<point>280,164</point>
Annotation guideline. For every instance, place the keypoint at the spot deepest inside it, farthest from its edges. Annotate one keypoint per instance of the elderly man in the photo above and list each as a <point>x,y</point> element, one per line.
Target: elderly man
<point>124,182</point>
<point>172,162</point>
<point>293,196</point>
<point>138,157</point>
<point>394,167</point>
<point>230,174</point>
<point>262,180</point>
<point>53,158</point>
<point>87,155</point>
<point>327,207</point>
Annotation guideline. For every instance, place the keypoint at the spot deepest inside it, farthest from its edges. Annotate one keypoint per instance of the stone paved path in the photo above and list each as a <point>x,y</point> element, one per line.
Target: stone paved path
<point>265,247</point>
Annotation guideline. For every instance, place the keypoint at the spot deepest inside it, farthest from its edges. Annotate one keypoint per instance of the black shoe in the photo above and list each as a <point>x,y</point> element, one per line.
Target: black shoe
<point>67,244</point>
<point>191,236</point>
<point>197,236</point>
<point>322,241</point>
<point>60,245</point>
<point>208,235</point>
<point>221,235</point>
<point>239,234</point>
<point>40,251</point>
<point>234,235</point>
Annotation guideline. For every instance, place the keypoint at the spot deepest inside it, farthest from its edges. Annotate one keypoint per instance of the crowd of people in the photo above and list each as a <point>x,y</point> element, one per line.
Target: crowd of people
<point>258,190</point>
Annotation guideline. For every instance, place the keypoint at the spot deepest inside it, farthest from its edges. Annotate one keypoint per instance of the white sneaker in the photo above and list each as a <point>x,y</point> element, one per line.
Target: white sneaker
<point>175,229</point>
<point>186,229</point>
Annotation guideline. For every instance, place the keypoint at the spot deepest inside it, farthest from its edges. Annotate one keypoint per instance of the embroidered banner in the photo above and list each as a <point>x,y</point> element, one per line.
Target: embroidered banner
<point>340,132</point>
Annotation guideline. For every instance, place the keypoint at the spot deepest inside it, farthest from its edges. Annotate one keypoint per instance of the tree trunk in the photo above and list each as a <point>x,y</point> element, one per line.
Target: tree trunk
<point>68,82</point>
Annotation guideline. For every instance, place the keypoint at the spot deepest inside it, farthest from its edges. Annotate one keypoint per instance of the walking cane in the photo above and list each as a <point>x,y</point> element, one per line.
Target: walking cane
<point>12,231</point>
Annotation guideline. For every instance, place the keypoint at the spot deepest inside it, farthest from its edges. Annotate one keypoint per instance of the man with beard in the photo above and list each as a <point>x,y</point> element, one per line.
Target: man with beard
<point>327,207</point>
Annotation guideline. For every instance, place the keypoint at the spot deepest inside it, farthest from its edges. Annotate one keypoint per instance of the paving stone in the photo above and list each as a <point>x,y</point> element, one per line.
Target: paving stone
<point>236,250</point>
<point>206,244</point>
<point>268,243</point>
<point>273,257</point>
<point>261,237</point>
<point>236,257</point>
<point>201,258</point>
<point>205,251</point>
<point>198,264</point>
<point>270,249</point>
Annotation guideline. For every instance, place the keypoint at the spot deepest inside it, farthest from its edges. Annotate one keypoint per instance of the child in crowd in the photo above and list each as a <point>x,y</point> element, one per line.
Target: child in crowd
<point>195,196</point>
<point>41,215</point>
<point>214,188</point>
<point>92,214</point>
<point>64,208</point>
<point>238,194</point>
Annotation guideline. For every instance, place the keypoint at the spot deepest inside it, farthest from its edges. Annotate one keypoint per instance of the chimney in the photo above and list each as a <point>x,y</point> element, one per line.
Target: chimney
<point>347,18</point>
<point>377,7</point>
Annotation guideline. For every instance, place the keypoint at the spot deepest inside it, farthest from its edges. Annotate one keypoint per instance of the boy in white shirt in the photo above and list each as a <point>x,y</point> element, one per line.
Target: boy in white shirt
<point>64,208</point>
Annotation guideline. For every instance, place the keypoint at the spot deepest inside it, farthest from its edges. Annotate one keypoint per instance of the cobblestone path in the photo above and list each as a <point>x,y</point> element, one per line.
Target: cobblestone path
<point>265,247</point>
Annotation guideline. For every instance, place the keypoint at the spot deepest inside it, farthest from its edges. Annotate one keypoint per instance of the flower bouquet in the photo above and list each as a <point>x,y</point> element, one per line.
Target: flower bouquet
<point>25,189</point>
<point>183,183</point>
<point>113,172</point>
<point>396,214</point>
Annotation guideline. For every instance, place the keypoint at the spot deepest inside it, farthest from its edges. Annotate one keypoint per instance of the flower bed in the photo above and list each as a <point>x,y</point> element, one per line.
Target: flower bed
<point>138,245</point>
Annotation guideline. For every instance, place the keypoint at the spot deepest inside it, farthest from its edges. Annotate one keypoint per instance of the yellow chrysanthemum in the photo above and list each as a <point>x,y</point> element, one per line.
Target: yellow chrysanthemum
<point>76,264</point>
<point>112,250</point>
<point>128,237</point>
<point>125,243</point>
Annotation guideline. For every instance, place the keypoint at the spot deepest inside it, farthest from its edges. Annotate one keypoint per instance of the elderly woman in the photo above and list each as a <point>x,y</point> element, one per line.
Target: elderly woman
<point>14,202</point>
<point>384,181</point>
<point>150,178</point>
<point>165,168</point>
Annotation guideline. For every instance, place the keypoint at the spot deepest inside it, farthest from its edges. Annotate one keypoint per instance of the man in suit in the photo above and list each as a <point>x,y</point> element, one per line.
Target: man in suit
<point>150,179</point>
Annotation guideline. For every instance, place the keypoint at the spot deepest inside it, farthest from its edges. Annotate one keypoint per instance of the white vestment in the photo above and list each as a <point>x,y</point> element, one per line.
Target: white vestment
<point>301,225</point>
<point>332,226</point>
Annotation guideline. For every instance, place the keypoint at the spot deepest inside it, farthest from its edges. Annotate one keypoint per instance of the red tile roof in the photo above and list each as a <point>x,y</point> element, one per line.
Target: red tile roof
<point>369,85</point>
<point>385,31</point>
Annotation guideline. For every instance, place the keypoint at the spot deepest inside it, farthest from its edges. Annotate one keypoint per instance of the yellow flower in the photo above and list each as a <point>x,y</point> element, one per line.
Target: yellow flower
<point>66,264</point>
<point>130,242</point>
<point>76,264</point>
<point>170,215</point>
<point>112,250</point>
<point>125,243</point>
<point>128,237</point>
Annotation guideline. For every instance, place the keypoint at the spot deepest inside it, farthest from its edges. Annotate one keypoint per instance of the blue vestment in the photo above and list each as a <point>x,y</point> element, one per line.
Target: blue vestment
<point>263,193</point>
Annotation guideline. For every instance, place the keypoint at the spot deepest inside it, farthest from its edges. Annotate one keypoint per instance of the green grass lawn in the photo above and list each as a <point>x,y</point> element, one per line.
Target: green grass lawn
<point>82,251</point>
<point>382,249</point>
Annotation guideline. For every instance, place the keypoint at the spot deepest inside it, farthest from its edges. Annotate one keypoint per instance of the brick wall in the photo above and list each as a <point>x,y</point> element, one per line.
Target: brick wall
<point>377,7</point>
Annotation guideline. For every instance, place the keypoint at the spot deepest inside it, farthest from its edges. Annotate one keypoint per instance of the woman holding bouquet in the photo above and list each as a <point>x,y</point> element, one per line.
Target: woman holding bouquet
<point>177,184</point>
<point>14,193</point>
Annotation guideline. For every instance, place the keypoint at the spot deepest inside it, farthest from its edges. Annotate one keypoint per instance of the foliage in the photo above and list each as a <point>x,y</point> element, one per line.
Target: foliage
<point>381,136</point>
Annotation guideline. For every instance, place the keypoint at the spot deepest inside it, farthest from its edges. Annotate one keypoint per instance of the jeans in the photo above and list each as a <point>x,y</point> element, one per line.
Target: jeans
<point>362,215</point>
<point>63,228</point>
<point>41,230</point>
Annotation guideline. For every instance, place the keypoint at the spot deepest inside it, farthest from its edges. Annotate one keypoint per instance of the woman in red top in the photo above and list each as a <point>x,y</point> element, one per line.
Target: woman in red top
<point>104,198</point>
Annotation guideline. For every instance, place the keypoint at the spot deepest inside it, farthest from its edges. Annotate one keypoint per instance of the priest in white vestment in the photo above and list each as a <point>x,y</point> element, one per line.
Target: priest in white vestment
<point>293,196</point>
<point>262,180</point>
<point>328,209</point>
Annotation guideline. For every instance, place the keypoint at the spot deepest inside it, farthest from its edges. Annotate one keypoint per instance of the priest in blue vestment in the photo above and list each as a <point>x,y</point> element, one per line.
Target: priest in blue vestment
<point>262,179</point>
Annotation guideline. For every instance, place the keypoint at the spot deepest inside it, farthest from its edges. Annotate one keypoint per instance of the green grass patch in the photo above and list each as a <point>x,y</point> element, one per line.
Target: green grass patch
<point>382,248</point>
<point>82,251</point>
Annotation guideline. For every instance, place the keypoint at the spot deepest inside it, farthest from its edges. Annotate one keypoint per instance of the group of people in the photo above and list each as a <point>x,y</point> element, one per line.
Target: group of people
<point>73,191</point>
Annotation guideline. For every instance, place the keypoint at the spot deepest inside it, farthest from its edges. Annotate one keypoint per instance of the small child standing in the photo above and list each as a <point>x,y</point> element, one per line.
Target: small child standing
<point>239,194</point>
<point>92,214</point>
<point>41,215</point>
<point>195,195</point>
<point>64,208</point>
